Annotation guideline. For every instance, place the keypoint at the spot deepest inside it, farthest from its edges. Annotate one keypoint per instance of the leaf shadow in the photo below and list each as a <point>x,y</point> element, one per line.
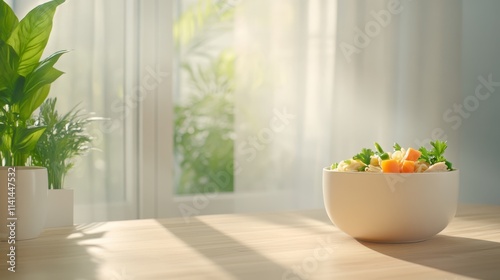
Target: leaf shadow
<point>53,254</point>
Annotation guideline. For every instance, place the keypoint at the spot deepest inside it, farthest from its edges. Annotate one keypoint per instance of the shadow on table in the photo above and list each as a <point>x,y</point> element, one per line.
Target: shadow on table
<point>463,256</point>
<point>311,220</point>
<point>234,257</point>
<point>56,254</point>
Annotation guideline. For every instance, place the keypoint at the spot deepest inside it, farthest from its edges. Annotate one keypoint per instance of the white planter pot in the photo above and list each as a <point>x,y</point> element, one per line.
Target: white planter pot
<point>60,208</point>
<point>26,218</point>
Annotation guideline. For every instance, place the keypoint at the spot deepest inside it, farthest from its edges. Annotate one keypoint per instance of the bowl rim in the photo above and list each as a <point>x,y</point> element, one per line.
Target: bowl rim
<point>329,170</point>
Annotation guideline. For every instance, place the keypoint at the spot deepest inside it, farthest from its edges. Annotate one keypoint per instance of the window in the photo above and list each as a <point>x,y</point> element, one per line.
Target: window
<point>204,97</point>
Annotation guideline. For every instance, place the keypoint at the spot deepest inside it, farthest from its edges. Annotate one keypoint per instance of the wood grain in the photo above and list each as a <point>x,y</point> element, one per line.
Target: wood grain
<point>291,245</point>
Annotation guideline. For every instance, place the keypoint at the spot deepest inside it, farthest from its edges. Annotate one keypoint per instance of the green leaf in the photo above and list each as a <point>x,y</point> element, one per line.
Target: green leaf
<point>17,92</point>
<point>9,62</point>
<point>449,165</point>
<point>8,21</point>
<point>439,148</point>
<point>396,147</point>
<point>364,156</point>
<point>25,139</point>
<point>33,101</point>
<point>379,148</point>
<point>31,35</point>
<point>380,152</point>
<point>436,154</point>
<point>6,141</point>
<point>3,128</point>
<point>43,74</point>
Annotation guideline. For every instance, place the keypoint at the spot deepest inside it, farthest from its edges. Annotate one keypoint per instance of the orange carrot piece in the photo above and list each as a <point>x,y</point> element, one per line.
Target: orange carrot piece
<point>412,154</point>
<point>390,166</point>
<point>408,166</point>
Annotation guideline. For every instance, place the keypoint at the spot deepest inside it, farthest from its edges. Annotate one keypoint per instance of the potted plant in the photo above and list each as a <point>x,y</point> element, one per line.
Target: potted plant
<point>25,81</point>
<point>64,139</point>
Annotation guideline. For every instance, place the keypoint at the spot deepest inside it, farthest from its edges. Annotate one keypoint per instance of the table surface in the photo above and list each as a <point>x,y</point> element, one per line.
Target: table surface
<point>286,245</point>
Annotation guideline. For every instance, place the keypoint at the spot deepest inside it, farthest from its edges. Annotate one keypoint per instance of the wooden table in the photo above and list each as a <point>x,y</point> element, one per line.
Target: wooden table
<point>290,245</point>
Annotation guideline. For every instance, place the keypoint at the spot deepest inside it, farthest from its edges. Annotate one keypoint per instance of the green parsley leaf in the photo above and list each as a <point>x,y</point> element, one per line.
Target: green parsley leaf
<point>396,147</point>
<point>436,154</point>
<point>438,151</point>
<point>364,156</point>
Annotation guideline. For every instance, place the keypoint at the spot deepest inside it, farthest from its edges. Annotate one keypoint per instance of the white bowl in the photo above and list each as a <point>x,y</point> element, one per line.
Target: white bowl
<point>390,207</point>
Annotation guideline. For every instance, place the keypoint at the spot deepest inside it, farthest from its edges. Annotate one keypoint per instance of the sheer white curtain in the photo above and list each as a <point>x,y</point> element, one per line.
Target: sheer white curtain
<point>120,67</point>
<point>316,81</point>
<point>100,76</point>
<point>321,79</point>
<point>399,82</point>
<point>285,65</point>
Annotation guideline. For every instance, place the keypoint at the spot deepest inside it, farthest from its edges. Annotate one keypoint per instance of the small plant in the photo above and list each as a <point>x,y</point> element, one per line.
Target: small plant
<point>64,139</point>
<point>24,79</point>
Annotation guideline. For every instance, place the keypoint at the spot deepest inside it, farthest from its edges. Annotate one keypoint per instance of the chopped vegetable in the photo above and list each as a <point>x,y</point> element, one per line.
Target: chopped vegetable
<point>390,166</point>
<point>380,152</point>
<point>384,156</point>
<point>437,167</point>
<point>412,154</point>
<point>399,161</point>
<point>408,166</point>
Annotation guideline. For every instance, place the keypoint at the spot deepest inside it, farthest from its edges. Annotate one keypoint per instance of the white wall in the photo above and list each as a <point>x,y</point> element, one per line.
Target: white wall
<point>480,128</point>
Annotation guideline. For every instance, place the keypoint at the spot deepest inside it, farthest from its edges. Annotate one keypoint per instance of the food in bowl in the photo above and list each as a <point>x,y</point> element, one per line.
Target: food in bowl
<point>400,160</point>
<point>392,205</point>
